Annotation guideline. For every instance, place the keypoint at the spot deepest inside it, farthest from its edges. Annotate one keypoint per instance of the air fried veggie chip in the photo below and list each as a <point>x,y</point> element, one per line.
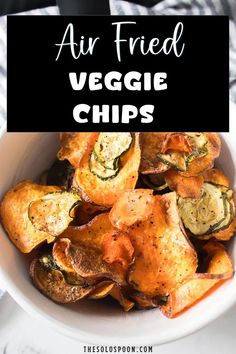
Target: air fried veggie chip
<point>216,176</point>
<point>86,212</point>
<point>74,146</point>
<point>117,294</point>
<point>117,248</point>
<point>106,192</point>
<point>132,206</point>
<point>60,257</point>
<point>219,269</point>
<point>88,262</point>
<point>152,144</point>
<point>51,282</point>
<point>164,257</point>
<point>14,215</point>
<point>201,164</point>
<point>91,234</point>
<point>185,187</point>
<point>176,142</point>
<point>53,212</point>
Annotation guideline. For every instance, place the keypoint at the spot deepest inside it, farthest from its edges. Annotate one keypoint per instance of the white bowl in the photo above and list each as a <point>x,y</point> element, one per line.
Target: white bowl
<point>25,155</point>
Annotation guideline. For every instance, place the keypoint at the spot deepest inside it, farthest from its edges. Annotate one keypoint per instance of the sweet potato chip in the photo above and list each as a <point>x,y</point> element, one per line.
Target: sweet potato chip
<point>216,176</point>
<point>86,212</point>
<point>106,288</point>
<point>199,165</point>
<point>163,255</point>
<point>185,187</point>
<point>88,262</point>
<point>60,257</point>
<point>75,145</point>
<point>117,294</point>
<point>91,234</point>
<point>106,192</point>
<point>14,215</point>
<point>144,302</point>
<point>190,163</point>
<point>132,206</point>
<point>51,282</point>
<point>152,144</point>
<point>102,290</point>
<point>117,247</point>
<point>219,269</point>
<point>176,142</point>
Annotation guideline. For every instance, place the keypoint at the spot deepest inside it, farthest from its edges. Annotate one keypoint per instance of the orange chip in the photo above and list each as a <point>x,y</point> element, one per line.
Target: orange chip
<point>185,187</point>
<point>106,192</point>
<point>117,294</point>
<point>219,269</point>
<point>117,248</point>
<point>176,142</point>
<point>60,257</point>
<point>163,256</point>
<point>74,146</point>
<point>132,206</point>
<point>216,176</point>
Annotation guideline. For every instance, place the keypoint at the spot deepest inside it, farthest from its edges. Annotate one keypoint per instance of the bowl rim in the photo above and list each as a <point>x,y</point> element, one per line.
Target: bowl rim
<point>85,337</point>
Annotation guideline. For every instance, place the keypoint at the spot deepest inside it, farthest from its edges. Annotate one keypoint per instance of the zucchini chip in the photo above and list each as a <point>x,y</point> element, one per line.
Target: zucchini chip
<point>176,160</point>
<point>205,160</point>
<point>100,171</point>
<point>75,145</point>
<point>53,212</point>
<point>222,235</point>
<point>198,143</point>
<point>110,147</point>
<point>212,212</point>
<point>189,153</point>
<point>14,215</point>
<point>106,192</point>
<point>180,149</point>
<point>163,256</point>
<point>185,187</point>
<point>52,283</point>
<point>219,269</point>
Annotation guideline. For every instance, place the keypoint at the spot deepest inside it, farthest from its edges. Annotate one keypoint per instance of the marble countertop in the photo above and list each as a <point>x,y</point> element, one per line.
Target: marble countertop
<point>22,334</point>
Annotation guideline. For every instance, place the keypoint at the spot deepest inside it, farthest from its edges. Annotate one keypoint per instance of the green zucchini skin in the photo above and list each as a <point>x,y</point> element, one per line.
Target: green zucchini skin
<point>100,171</point>
<point>199,144</point>
<point>216,201</point>
<point>105,148</point>
<point>173,164</point>
<point>110,165</point>
<point>53,212</point>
